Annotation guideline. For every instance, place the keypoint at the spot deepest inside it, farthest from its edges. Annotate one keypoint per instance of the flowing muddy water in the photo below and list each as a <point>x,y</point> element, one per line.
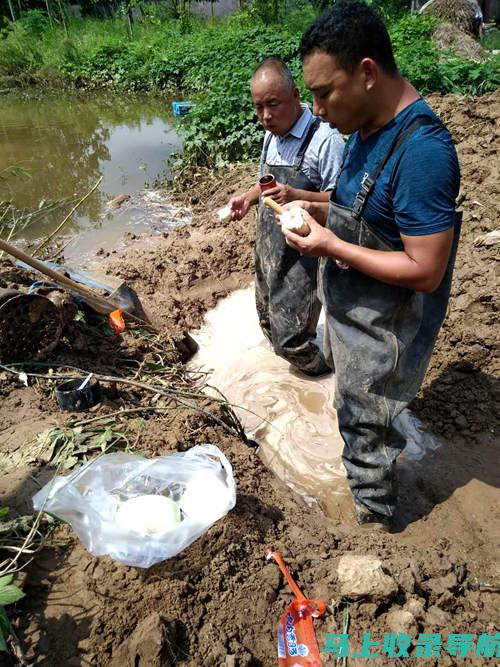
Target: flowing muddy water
<point>291,417</point>
<point>64,144</point>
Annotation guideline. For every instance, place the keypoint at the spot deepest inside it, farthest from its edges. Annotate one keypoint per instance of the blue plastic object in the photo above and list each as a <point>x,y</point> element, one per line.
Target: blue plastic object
<point>182,108</point>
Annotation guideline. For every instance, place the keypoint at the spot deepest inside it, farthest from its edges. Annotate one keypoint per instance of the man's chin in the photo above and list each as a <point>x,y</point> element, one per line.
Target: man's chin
<point>341,130</point>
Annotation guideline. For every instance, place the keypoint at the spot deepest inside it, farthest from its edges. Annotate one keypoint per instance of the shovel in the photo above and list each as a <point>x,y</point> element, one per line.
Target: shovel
<point>297,646</point>
<point>98,303</point>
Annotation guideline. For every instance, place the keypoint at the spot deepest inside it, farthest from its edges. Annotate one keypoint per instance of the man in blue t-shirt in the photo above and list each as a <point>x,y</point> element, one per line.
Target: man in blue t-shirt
<point>387,240</point>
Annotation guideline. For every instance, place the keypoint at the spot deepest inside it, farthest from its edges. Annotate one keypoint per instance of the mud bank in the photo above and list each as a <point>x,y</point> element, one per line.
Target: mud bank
<point>219,602</point>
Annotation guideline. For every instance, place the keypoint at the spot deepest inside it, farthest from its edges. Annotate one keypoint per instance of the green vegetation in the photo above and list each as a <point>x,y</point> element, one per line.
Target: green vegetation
<point>432,71</point>
<point>67,446</point>
<point>212,62</point>
<point>8,595</point>
<point>491,39</point>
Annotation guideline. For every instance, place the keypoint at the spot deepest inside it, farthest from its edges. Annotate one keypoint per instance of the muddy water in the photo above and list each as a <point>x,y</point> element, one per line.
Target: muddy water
<point>65,144</point>
<point>292,417</point>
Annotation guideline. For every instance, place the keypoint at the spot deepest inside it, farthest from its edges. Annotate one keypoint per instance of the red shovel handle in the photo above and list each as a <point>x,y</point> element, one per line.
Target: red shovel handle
<point>314,608</point>
<point>319,605</point>
<point>281,564</point>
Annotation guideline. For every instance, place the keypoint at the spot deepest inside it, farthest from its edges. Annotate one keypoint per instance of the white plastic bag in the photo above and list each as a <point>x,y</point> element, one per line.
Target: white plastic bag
<point>89,498</point>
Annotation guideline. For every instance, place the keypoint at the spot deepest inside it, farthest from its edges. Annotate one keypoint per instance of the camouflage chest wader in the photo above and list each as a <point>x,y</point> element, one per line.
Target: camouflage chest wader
<point>286,283</point>
<point>381,338</point>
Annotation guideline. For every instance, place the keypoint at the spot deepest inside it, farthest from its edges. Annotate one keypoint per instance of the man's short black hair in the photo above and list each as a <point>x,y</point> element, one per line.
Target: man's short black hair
<point>280,67</point>
<point>350,31</point>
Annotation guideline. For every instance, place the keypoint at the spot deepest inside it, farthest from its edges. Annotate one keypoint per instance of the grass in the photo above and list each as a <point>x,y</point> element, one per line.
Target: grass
<point>491,39</point>
<point>23,537</point>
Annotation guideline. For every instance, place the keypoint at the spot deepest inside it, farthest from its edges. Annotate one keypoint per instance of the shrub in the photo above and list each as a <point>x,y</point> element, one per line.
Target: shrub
<point>19,52</point>
<point>468,77</point>
<point>214,62</point>
<point>416,55</point>
<point>430,70</point>
<point>224,126</point>
<point>35,22</point>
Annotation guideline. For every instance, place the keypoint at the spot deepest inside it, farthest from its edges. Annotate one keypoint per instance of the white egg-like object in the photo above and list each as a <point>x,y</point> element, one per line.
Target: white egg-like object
<point>293,220</point>
<point>206,497</point>
<point>148,515</point>
<point>224,213</point>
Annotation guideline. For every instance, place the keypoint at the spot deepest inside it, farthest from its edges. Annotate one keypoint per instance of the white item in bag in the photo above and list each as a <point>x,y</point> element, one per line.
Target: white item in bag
<point>205,496</point>
<point>148,515</point>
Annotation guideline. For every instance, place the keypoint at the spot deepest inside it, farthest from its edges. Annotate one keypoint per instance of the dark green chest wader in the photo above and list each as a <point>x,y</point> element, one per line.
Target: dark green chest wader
<point>286,283</point>
<point>381,339</point>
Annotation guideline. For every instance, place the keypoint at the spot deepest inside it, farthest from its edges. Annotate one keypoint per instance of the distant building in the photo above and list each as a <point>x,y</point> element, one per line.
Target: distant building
<point>490,9</point>
<point>220,8</point>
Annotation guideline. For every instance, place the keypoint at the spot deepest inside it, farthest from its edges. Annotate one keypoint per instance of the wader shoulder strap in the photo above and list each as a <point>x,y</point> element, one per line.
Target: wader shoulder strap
<point>345,157</point>
<point>305,144</point>
<point>266,148</point>
<point>303,147</point>
<point>368,181</point>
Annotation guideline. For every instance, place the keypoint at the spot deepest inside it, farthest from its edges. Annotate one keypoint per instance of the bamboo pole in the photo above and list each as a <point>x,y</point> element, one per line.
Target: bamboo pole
<point>267,201</point>
<point>97,302</point>
<point>9,2</point>
<point>50,236</point>
<point>10,232</point>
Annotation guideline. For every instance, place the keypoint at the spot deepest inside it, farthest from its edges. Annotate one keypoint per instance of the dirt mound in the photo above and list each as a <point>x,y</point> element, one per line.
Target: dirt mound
<point>461,13</point>
<point>218,603</point>
<point>183,275</point>
<point>448,37</point>
<point>461,391</point>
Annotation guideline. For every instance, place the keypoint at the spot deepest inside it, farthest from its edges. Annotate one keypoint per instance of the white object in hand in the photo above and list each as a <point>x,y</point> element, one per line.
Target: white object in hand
<point>148,515</point>
<point>205,498</point>
<point>224,213</point>
<point>293,220</point>
<point>343,266</point>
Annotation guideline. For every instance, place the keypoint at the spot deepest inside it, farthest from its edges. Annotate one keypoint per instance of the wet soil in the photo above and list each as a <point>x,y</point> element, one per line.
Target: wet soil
<point>218,603</point>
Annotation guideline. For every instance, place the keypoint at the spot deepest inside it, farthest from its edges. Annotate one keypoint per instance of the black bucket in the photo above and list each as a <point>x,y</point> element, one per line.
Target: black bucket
<point>73,399</point>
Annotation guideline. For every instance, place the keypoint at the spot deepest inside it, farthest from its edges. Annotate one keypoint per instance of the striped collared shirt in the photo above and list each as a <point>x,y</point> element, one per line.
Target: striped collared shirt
<point>322,158</point>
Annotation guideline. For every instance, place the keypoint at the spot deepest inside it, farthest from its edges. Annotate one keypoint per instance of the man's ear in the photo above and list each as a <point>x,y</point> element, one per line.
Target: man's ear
<point>296,93</point>
<point>369,72</point>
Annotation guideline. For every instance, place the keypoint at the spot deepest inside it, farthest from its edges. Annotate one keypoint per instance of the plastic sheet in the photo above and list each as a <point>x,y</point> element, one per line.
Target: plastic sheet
<point>89,498</point>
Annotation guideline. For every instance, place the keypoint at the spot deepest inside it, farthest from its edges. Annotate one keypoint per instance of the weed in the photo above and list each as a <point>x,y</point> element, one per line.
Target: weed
<point>491,39</point>
<point>8,595</point>
<point>66,446</point>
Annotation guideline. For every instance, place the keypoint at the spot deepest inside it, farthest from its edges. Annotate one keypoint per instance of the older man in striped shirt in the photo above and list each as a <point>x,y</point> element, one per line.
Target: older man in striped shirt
<point>304,156</point>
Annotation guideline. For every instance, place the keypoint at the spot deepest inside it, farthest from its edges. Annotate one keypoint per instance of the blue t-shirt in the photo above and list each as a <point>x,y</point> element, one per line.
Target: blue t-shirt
<point>416,191</point>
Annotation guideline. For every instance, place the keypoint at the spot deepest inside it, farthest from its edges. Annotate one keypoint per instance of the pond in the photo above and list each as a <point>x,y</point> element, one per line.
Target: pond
<point>64,144</point>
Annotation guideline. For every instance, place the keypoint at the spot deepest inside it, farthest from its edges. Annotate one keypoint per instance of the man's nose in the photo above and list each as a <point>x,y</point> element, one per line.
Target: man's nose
<point>266,114</point>
<point>318,110</point>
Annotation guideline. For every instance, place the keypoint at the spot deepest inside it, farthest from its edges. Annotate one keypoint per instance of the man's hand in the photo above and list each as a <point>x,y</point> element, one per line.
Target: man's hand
<point>318,210</point>
<point>420,266</point>
<point>320,241</point>
<point>239,207</point>
<point>282,193</point>
<point>301,203</point>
